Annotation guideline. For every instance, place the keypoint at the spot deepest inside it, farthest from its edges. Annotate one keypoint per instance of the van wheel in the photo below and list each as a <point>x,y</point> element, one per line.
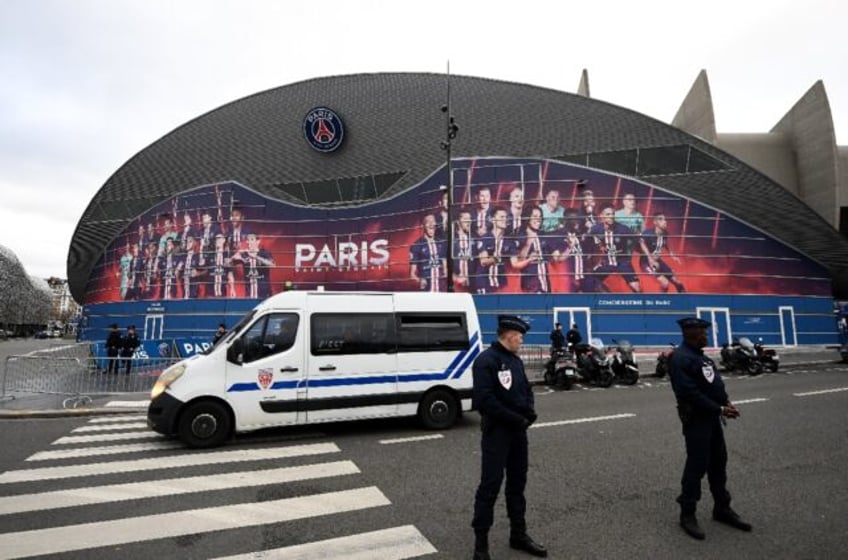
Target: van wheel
<point>438,410</point>
<point>204,424</point>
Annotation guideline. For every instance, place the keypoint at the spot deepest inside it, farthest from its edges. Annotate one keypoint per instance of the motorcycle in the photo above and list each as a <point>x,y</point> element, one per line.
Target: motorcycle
<point>594,364</point>
<point>768,356</point>
<point>560,369</point>
<point>741,355</point>
<point>843,351</point>
<point>663,359</point>
<point>624,363</point>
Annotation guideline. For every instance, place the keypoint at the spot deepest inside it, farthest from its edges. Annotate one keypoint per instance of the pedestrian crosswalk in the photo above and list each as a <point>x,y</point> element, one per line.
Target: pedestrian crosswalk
<point>68,499</point>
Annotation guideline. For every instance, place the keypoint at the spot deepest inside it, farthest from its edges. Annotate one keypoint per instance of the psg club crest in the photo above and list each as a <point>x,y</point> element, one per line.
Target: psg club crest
<point>505,377</point>
<point>323,129</point>
<point>708,372</point>
<point>265,377</point>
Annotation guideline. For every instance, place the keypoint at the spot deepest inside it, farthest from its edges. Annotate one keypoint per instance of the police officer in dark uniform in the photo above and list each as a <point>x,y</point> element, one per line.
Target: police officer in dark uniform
<point>703,406</point>
<point>129,345</point>
<point>573,336</point>
<point>504,398</point>
<point>114,343</point>
<point>557,339</point>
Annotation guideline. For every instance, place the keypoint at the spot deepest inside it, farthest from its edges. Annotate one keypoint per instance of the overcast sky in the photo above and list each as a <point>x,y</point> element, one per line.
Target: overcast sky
<point>86,84</point>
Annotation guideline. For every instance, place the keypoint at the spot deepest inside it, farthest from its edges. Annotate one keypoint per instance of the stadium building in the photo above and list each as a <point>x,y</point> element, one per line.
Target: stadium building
<point>566,208</point>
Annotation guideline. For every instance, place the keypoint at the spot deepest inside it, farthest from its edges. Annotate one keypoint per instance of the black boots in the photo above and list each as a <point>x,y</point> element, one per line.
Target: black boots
<point>689,523</point>
<point>518,540</point>
<point>481,546</point>
<point>522,541</point>
<point>723,514</point>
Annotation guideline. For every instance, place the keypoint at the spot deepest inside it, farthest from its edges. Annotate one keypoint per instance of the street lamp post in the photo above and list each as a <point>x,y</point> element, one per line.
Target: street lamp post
<point>451,130</point>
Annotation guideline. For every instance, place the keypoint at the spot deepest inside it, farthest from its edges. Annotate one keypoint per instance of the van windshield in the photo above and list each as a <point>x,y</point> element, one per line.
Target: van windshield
<point>233,332</point>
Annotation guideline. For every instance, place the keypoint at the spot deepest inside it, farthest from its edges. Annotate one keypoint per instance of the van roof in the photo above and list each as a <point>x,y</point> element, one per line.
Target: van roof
<point>297,298</point>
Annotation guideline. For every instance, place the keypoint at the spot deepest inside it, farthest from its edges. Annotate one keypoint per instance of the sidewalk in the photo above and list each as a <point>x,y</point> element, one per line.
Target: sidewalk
<point>646,358</point>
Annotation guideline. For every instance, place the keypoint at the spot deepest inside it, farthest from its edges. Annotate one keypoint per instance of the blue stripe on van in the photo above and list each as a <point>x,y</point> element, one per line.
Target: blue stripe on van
<point>455,370</point>
<point>464,367</point>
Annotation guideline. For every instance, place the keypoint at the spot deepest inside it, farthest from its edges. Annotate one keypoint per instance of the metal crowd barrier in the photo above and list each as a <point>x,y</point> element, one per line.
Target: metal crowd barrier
<point>534,356</point>
<point>79,379</point>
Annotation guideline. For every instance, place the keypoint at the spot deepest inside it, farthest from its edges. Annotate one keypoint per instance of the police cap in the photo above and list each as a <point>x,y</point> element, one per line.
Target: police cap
<point>113,326</point>
<point>693,323</point>
<point>513,323</point>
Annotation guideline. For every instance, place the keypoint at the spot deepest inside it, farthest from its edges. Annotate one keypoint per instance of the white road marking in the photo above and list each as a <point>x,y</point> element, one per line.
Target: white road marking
<point>823,392</point>
<point>107,427</point>
<point>396,543</point>
<point>582,420</point>
<point>162,526</point>
<point>414,438</point>
<point>164,445</point>
<point>164,463</point>
<point>125,418</point>
<point>170,487</point>
<point>127,404</point>
<point>749,401</point>
<point>108,437</point>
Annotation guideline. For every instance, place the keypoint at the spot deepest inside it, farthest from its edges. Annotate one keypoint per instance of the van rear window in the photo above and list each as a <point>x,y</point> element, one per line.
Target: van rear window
<point>352,333</point>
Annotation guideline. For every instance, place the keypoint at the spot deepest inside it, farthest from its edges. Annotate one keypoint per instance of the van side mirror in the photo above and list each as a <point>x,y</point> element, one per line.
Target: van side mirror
<point>235,353</point>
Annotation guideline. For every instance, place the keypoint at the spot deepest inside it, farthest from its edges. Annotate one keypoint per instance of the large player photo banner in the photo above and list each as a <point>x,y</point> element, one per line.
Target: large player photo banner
<point>519,226</point>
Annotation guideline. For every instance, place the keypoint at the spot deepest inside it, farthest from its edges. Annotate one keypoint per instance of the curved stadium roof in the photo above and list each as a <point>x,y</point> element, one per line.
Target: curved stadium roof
<point>393,130</point>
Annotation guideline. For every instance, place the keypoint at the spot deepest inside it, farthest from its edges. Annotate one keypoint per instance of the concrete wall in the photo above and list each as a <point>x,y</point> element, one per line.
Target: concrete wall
<point>842,186</point>
<point>770,153</point>
<point>809,126</point>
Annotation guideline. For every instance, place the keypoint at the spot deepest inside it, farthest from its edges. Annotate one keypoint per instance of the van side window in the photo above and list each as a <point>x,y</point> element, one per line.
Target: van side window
<point>352,333</point>
<point>269,335</point>
<point>432,332</point>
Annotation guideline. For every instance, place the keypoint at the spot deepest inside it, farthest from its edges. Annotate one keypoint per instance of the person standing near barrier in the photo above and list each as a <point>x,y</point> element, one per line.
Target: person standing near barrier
<point>703,405</point>
<point>220,333</point>
<point>573,336</point>
<point>557,339</point>
<point>504,398</point>
<point>128,347</point>
<point>114,343</point>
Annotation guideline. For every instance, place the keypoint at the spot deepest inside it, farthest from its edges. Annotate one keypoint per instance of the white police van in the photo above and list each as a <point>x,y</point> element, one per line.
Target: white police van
<point>306,357</point>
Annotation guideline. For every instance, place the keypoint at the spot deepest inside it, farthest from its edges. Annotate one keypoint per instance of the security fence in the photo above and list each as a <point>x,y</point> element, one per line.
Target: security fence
<point>79,378</point>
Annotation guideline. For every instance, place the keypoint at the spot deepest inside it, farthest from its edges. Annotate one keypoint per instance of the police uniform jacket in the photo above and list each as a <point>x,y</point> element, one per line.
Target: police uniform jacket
<point>131,342</point>
<point>114,342</point>
<point>697,384</point>
<point>502,393</point>
<point>557,338</point>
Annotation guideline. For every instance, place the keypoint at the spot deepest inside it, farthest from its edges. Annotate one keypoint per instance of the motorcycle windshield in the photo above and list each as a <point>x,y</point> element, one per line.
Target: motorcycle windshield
<point>745,342</point>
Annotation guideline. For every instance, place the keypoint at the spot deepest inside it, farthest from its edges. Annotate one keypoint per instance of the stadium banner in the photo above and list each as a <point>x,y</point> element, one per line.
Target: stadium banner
<point>521,226</point>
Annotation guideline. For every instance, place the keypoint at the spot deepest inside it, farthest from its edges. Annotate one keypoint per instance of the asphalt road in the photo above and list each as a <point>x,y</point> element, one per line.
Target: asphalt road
<point>598,488</point>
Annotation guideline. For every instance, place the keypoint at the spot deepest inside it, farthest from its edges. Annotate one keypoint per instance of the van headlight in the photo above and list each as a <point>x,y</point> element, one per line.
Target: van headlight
<point>168,376</point>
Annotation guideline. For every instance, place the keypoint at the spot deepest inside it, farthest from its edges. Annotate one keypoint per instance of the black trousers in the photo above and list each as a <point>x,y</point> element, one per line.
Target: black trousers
<point>112,366</point>
<point>706,453</point>
<point>504,450</point>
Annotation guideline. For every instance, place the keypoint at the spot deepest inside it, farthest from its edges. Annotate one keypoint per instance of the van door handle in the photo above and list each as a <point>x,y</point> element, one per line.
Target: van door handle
<point>288,369</point>
<point>327,368</point>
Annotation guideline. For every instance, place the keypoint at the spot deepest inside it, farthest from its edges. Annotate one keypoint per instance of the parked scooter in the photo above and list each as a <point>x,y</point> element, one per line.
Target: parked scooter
<point>663,359</point>
<point>560,369</point>
<point>843,351</point>
<point>624,363</point>
<point>741,355</point>
<point>768,356</point>
<point>594,364</point>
